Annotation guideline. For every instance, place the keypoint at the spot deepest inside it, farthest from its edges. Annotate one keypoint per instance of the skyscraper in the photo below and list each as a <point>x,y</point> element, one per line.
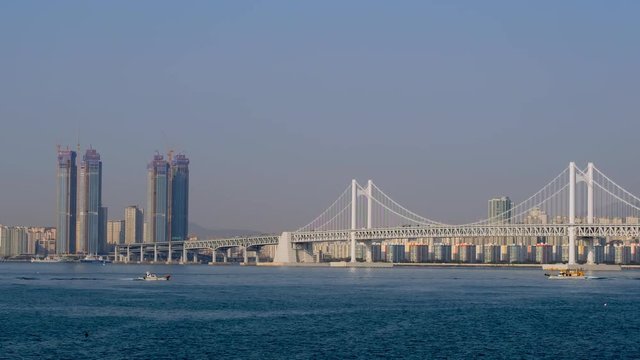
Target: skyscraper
<point>179,213</point>
<point>115,233</point>
<point>133,225</point>
<point>500,210</point>
<point>92,216</point>
<point>157,200</point>
<point>66,202</point>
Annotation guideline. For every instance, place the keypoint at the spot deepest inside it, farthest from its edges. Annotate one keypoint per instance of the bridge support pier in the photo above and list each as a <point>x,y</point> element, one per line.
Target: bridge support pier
<point>225,257</point>
<point>128,254</point>
<point>170,254</point>
<point>184,254</point>
<point>245,255</point>
<point>591,255</point>
<point>195,257</point>
<point>284,251</point>
<point>213,256</point>
<point>141,253</point>
<point>367,249</point>
<point>155,253</point>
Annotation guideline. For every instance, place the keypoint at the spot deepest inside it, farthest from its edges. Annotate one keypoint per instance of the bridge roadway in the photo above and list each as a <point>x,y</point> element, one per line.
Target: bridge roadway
<point>470,231</point>
<point>409,232</point>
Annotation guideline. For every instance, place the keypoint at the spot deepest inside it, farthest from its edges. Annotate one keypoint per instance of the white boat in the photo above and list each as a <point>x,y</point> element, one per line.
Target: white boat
<point>45,260</point>
<point>94,259</point>
<point>148,276</point>
<point>575,274</point>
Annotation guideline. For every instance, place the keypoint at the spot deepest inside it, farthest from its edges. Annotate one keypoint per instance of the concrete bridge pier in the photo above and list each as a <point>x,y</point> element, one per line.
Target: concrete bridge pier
<point>155,253</point>
<point>195,257</point>
<point>184,255</point>
<point>245,255</point>
<point>367,251</point>
<point>169,255</point>
<point>284,251</point>
<point>225,257</point>
<point>128,254</point>
<point>213,256</point>
<point>141,253</point>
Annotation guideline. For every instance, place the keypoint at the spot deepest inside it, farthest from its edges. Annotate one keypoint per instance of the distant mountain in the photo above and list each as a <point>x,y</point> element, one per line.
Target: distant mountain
<point>204,233</point>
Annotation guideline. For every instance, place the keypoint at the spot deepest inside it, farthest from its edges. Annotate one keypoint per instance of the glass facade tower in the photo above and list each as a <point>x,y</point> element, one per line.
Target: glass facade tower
<point>91,231</point>
<point>133,225</point>
<point>66,202</point>
<point>157,200</point>
<point>500,210</point>
<point>179,197</point>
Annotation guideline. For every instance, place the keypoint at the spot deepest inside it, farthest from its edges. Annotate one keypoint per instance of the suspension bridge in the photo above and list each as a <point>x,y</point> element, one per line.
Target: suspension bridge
<point>577,204</point>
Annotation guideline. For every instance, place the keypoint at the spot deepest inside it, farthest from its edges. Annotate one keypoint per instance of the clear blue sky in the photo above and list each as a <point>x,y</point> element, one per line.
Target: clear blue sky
<point>279,104</point>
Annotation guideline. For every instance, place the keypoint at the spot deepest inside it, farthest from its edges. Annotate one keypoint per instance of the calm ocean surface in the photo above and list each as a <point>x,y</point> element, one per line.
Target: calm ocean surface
<point>47,311</point>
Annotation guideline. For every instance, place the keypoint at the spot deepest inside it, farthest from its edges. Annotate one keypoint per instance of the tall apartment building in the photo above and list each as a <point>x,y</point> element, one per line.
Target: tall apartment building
<point>167,213</point>
<point>66,192</point>
<point>157,211</point>
<point>91,228</point>
<point>499,211</point>
<point>133,225</point>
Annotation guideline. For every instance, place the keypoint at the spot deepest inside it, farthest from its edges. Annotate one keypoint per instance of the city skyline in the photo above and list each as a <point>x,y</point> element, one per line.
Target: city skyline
<point>444,107</point>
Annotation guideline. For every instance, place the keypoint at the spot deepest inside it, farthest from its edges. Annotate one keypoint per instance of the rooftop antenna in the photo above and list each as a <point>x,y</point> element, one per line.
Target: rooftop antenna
<point>78,137</point>
<point>167,147</point>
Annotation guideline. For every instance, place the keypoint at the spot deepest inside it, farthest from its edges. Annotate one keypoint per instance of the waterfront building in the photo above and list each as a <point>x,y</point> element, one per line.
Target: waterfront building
<point>90,228</point>
<point>179,198</point>
<point>530,253</point>
<point>66,191</point>
<point>157,200</point>
<point>133,225</point>
<point>394,253</point>
<point>516,254</point>
<point>491,253</point>
<point>376,252</point>
<point>504,253</point>
<point>499,212</point>
<point>557,253</point>
<point>544,254</point>
<point>418,253</point>
<point>565,253</point>
<point>14,241</point>
<point>598,252</point>
<point>466,253</point>
<point>115,233</point>
<point>622,254</point>
<point>41,240</point>
<point>441,253</point>
<point>635,253</point>
<point>536,216</point>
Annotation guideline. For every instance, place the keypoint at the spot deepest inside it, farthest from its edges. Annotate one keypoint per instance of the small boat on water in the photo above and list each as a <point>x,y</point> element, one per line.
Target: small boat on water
<point>569,274</point>
<point>95,259</point>
<point>45,260</point>
<point>148,276</point>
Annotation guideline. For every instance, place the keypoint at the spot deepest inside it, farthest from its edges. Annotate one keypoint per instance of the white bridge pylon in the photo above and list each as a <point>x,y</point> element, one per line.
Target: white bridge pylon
<point>574,197</point>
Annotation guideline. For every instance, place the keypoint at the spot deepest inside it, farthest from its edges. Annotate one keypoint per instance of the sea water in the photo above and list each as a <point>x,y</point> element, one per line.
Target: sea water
<point>91,311</point>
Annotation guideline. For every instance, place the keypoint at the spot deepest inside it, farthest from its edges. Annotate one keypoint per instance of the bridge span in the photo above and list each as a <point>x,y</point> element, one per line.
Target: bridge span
<point>576,204</point>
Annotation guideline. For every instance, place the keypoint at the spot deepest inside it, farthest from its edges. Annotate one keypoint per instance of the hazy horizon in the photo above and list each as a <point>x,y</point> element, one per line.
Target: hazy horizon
<point>279,105</point>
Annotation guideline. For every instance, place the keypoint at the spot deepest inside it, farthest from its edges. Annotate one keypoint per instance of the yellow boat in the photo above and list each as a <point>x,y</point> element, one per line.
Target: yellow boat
<point>569,274</point>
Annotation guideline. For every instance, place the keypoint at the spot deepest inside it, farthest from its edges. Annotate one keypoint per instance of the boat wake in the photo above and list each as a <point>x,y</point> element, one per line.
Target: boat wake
<point>77,279</point>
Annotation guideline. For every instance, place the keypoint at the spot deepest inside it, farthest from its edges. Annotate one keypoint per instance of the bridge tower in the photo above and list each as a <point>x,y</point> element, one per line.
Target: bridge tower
<point>367,244</point>
<point>354,218</point>
<point>572,213</point>
<point>591,252</point>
